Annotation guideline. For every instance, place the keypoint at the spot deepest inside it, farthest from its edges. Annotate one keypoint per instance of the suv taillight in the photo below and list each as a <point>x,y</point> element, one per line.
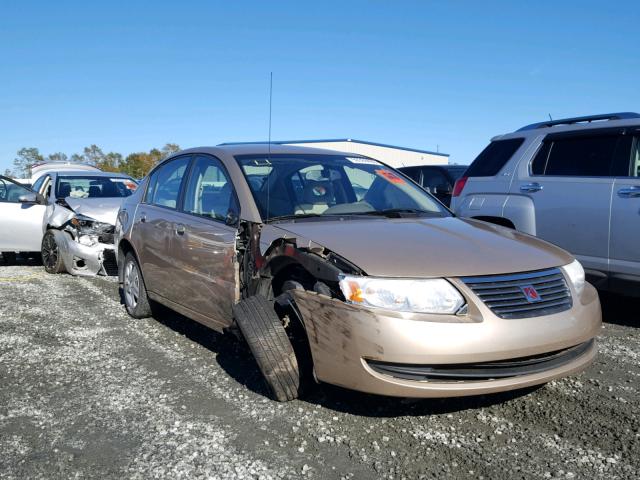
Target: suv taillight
<point>459,186</point>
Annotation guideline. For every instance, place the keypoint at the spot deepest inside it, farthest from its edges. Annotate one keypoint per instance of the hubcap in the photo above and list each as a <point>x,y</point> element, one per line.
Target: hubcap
<point>49,251</point>
<point>131,284</point>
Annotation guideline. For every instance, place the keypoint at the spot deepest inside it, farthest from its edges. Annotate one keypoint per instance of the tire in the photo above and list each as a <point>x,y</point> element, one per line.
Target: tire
<point>51,258</point>
<point>270,346</point>
<point>9,258</point>
<point>134,292</point>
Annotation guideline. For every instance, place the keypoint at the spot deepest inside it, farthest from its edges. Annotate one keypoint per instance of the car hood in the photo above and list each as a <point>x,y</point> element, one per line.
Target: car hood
<point>101,209</point>
<point>428,247</point>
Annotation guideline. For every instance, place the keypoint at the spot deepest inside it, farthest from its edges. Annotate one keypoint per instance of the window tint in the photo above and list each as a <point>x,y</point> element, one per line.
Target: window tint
<point>634,170</point>
<point>494,157</point>
<point>577,156</point>
<point>209,192</point>
<point>164,184</point>
<point>435,181</point>
<point>10,192</point>
<point>413,173</point>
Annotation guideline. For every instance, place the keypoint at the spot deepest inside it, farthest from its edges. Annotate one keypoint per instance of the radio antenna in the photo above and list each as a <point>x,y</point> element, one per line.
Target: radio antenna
<point>269,139</point>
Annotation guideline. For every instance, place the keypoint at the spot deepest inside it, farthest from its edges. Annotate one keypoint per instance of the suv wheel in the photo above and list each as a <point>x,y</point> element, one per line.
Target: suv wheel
<point>133,290</point>
<point>51,258</point>
<point>270,346</point>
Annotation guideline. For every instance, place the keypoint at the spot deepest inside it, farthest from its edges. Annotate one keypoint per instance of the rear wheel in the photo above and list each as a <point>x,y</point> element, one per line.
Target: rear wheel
<point>134,291</point>
<point>270,346</point>
<point>9,258</point>
<point>51,258</point>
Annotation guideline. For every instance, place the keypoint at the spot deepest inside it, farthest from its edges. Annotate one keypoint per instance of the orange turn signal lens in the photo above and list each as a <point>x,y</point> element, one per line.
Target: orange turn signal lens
<point>355,292</point>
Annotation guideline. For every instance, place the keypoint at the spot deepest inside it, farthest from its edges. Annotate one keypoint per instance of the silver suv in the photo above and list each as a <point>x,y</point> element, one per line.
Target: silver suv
<point>574,182</point>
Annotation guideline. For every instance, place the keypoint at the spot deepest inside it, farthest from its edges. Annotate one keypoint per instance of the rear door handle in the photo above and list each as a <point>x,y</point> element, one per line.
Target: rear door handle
<point>629,192</point>
<point>180,229</point>
<point>530,187</point>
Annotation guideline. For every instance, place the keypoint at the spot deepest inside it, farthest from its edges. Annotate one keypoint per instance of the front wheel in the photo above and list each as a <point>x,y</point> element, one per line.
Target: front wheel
<point>133,289</point>
<point>51,258</point>
<point>270,346</point>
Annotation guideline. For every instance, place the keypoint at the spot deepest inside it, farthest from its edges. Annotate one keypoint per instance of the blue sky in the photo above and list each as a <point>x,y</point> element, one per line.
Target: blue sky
<point>134,75</point>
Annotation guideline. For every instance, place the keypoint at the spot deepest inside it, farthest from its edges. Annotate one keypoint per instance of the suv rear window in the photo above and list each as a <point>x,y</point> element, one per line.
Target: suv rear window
<point>580,156</point>
<point>494,157</point>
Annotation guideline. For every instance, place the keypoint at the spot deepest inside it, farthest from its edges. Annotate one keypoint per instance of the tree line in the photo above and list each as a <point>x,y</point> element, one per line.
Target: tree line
<point>136,164</point>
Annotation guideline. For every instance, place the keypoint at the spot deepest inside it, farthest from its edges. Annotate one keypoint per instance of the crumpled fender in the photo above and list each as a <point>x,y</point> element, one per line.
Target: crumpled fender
<point>93,255</point>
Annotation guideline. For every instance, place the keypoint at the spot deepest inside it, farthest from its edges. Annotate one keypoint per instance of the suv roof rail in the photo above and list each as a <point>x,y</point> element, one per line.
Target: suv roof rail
<point>585,119</point>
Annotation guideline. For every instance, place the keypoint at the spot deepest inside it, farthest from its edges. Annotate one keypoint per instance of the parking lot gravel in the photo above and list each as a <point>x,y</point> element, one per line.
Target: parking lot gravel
<point>86,391</point>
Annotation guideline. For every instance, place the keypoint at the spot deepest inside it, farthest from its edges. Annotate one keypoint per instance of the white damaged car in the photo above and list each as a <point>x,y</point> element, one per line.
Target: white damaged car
<point>69,216</point>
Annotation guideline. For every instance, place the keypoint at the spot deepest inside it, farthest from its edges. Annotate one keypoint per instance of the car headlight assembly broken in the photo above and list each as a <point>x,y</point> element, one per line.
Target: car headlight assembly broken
<point>434,295</point>
<point>90,230</point>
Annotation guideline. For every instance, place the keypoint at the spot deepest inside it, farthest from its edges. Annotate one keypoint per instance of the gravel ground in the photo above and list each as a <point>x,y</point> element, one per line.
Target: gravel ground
<point>85,391</point>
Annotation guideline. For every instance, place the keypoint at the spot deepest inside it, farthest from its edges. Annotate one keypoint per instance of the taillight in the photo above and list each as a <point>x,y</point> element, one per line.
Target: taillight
<point>459,186</point>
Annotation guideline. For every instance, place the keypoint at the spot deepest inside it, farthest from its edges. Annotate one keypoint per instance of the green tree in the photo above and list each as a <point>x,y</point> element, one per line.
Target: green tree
<point>25,158</point>
<point>110,163</point>
<point>8,173</point>
<point>57,157</point>
<point>169,148</point>
<point>77,158</point>
<point>93,155</point>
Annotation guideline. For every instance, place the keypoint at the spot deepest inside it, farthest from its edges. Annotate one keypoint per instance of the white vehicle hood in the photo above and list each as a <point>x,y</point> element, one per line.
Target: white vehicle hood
<point>101,209</point>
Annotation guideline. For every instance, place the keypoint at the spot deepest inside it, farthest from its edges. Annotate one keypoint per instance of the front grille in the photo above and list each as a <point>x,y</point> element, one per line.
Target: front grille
<point>509,368</point>
<point>109,262</point>
<point>505,294</point>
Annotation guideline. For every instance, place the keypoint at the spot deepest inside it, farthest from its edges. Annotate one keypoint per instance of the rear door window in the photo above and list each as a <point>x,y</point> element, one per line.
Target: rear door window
<point>435,180</point>
<point>580,156</point>
<point>494,157</point>
<point>209,192</point>
<point>413,173</point>
<point>165,182</point>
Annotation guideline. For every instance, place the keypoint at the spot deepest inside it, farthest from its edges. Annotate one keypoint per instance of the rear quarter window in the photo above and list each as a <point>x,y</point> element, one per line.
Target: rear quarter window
<point>582,156</point>
<point>494,157</point>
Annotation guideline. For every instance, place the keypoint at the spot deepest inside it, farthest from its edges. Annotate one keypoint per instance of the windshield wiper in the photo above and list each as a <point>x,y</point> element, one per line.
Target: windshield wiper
<point>396,212</point>
<point>293,216</point>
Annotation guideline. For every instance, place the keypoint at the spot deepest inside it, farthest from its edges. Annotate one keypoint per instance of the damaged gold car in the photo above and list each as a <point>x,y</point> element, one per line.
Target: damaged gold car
<point>338,268</point>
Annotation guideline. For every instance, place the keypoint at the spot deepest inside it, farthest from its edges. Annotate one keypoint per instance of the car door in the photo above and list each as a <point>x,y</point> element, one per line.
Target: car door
<point>569,182</point>
<point>204,244</point>
<point>154,226</point>
<point>21,217</point>
<point>624,262</point>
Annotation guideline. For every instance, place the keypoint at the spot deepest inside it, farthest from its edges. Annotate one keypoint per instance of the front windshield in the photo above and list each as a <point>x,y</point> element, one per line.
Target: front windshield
<point>94,186</point>
<point>297,186</point>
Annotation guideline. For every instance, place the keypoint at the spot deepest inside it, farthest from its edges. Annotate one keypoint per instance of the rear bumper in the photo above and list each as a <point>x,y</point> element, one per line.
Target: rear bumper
<point>367,350</point>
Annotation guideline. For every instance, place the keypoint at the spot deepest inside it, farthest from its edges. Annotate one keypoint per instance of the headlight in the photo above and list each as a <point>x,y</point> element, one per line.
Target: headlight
<point>87,225</point>
<point>575,273</point>
<point>403,295</point>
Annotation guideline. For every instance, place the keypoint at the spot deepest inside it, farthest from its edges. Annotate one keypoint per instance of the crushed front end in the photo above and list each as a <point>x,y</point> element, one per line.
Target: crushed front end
<point>85,244</point>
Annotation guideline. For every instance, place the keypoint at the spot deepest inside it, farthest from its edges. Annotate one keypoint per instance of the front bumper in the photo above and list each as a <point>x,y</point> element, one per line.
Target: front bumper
<point>347,341</point>
<point>86,260</point>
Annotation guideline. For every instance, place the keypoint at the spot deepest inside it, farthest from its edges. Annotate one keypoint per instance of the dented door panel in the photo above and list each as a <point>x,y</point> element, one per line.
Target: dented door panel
<point>204,267</point>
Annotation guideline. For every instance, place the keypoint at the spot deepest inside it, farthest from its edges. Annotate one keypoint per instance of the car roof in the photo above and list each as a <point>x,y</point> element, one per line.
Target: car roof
<point>261,149</point>
<point>88,173</point>
<point>445,167</point>
<point>590,122</point>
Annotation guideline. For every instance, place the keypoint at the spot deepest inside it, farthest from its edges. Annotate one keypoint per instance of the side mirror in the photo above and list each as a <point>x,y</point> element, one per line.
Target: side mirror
<point>232,218</point>
<point>31,197</point>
